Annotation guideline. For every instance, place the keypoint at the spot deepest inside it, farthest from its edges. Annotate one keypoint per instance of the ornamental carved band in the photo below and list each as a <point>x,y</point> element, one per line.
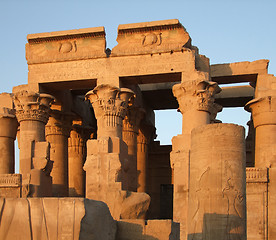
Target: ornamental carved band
<point>110,103</point>
<point>196,95</point>
<point>32,106</point>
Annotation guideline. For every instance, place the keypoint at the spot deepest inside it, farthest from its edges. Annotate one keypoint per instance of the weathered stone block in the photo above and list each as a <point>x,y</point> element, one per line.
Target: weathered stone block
<point>151,37</point>
<point>66,45</point>
<point>55,218</point>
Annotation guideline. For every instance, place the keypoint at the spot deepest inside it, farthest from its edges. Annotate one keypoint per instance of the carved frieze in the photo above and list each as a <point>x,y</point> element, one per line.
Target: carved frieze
<point>151,37</point>
<point>196,95</point>
<point>66,45</point>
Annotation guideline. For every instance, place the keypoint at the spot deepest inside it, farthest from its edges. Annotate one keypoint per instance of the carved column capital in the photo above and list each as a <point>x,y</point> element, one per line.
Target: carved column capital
<point>263,110</point>
<point>196,95</point>
<point>79,135</point>
<point>110,105</point>
<point>147,133</point>
<point>59,123</point>
<point>31,106</point>
<point>214,110</point>
<point>132,120</point>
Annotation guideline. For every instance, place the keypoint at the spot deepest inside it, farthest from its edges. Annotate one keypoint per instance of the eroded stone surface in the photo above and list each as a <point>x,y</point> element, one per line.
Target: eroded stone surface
<point>55,218</point>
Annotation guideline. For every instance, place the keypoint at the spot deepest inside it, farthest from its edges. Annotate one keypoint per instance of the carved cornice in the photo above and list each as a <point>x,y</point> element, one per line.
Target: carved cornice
<point>110,103</point>
<point>32,106</point>
<point>66,45</point>
<point>196,95</point>
<point>151,37</point>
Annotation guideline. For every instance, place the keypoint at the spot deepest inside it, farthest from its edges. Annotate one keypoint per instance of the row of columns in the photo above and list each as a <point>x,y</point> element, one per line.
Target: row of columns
<point>38,123</point>
<point>30,117</point>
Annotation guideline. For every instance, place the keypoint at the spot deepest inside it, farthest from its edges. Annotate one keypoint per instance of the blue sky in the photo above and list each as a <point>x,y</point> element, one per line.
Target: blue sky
<point>224,31</point>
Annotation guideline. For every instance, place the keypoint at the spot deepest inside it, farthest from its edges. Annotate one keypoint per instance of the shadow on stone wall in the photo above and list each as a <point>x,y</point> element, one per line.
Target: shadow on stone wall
<point>132,231</point>
<point>219,226</point>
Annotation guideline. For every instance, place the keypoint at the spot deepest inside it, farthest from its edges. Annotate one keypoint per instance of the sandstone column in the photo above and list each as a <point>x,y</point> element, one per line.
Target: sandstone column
<point>108,154</point>
<point>145,136</point>
<point>76,158</point>
<point>264,117</point>
<point>217,204</point>
<point>196,103</point>
<point>57,133</point>
<point>32,112</point>
<point>129,136</point>
<point>8,129</point>
<point>263,109</point>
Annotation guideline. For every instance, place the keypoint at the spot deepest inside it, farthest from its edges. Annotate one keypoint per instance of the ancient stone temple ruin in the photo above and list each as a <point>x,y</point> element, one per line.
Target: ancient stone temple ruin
<point>90,167</point>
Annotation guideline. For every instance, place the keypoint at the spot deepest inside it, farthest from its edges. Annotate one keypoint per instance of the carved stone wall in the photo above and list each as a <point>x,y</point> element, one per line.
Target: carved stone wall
<point>217,196</point>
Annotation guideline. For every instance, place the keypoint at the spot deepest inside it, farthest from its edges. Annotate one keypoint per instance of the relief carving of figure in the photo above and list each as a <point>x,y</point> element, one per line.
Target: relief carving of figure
<point>201,192</point>
<point>234,201</point>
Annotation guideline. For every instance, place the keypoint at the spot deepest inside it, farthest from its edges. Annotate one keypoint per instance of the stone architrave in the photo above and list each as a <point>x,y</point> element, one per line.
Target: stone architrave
<point>57,133</point>
<point>217,196</point>
<point>8,129</point>
<point>76,158</point>
<point>145,136</point>
<point>196,103</point>
<point>129,136</point>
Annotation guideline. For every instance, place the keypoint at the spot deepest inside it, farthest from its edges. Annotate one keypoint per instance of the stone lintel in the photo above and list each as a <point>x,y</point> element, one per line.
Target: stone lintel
<point>63,35</point>
<point>238,71</point>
